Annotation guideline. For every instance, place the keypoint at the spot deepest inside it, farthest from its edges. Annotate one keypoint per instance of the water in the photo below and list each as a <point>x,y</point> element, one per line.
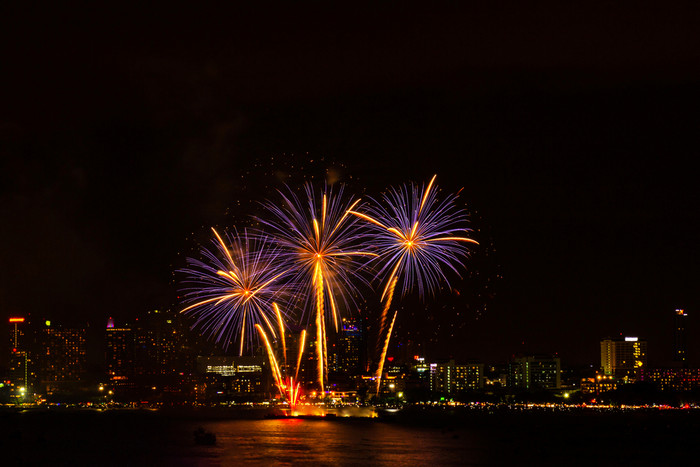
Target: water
<point>340,442</point>
<point>433,439</point>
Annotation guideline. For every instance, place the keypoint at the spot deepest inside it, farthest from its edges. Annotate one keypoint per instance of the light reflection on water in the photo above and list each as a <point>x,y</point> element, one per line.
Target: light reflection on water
<point>339,442</point>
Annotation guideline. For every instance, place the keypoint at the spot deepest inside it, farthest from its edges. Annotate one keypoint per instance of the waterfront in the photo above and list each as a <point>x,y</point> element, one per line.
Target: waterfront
<point>526,437</point>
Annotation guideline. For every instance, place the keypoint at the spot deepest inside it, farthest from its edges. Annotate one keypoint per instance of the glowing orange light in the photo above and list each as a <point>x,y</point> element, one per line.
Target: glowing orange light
<point>16,320</point>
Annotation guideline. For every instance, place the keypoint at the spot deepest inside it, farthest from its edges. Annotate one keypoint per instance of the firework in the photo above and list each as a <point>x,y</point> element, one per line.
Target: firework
<point>302,343</point>
<point>230,290</point>
<point>287,388</point>
<point>320,246</point>
<point>418,237</point>
<point>274,366</point>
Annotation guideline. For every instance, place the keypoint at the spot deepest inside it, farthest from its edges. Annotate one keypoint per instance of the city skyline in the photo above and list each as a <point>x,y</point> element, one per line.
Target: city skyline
<point>354,333</point>
<point>156,360</point>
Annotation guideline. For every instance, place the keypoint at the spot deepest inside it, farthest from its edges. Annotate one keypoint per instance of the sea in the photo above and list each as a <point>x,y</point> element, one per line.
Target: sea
<point>432,437</point>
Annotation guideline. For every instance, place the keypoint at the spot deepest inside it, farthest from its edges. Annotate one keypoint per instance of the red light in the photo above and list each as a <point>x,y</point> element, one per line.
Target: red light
<point>14,350</point>
<point>16,320</point>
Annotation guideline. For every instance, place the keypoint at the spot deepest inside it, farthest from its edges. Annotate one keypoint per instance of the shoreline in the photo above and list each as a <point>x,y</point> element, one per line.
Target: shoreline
<point>408,414</point>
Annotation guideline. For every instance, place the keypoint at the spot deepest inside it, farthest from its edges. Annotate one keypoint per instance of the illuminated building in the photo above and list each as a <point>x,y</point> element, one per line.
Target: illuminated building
<point>673,379</point>
<point>679,340</point>
<point>587,386</point>
<point>422,370</point>
<point>119,354</point>
<point>605,383</point>
<point>229,378</point>
<point>601,383</point>
<point>160,345</point>
<point>535,372</point>
<point>393,386</point>
<point>469,377</point>
<point>351,347</point>
<point>450,378</point>
<point>496,376</point>
<point>61,356</point>
<point>19,373</point>
<point>623,358</point>
<point>16,333</point>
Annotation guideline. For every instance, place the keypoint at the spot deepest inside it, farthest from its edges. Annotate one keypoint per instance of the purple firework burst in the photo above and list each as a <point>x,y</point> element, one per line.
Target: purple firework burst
<point>232,288</point>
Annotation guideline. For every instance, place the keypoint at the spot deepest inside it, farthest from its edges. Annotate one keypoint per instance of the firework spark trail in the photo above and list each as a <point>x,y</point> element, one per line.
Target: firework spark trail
<point>231,288</point>
<point>302,343</point>
<point>285,385</point>
<point>417,236</point>
<point>273,361</point>
<point>382,325</point>
<point>280,322</point>
<point>320,328</point>
<point>384,350</point>
<point>323,258</point>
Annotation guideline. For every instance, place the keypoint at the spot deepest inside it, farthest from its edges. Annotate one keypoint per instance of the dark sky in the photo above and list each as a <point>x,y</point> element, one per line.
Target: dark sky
<point>125,134</point>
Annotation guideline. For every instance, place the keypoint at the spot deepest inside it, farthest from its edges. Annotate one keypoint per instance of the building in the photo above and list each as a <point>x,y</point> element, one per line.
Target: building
<point>679,337</point>
<point>623,358</point>
<point>119,354</point>
<point>19,374</point>
<point>450,378</point>
<point>61,356</point>
<point>673,379</point>
<point>535,372</point>
<point>160,345</point>
<point>469,377</point>
<point>351,348</point>
<point>393,386</point>
<point>17,333</point>
<point>237,378</point>
<point>600,384</point>
<point>308,365</point>
<point>422,370</point>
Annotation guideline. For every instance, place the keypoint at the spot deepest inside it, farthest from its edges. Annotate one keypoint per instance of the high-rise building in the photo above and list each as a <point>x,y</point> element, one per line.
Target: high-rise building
<point>308,370</point>
<point>452,378</point>
<point>623,358</point>
<point>119,354</point>
<point>534,372</point>
<point>17,333</point>
<point>161,345</point>
<point>19,373</point>
<point>679,339</point>
<point>62,357</point>
<point>351,351</point>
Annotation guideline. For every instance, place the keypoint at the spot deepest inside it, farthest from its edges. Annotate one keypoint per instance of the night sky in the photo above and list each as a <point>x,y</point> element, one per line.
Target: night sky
<point>574,133</point>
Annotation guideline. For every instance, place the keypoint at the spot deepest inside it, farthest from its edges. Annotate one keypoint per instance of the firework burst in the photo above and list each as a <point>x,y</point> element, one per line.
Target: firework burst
<point>231,289</point>
<point>418,237</point>
<point>321,248</point>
